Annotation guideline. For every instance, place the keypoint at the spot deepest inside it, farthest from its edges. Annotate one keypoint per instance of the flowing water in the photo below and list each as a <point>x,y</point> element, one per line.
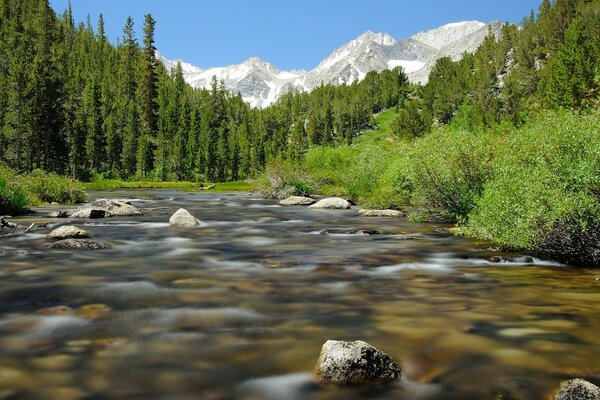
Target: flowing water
<point>239,307</point>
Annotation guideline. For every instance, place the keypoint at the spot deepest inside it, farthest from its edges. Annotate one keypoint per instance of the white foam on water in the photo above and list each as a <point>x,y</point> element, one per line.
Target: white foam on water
<point>392,269</point>
<point>28,236</point>
<point>281,387</point>
<point>258,241</point>
<point>154,225</point>
<point>179,252</point>
<point>52,326</point>
<point>264,206</point>
<point>232,264</point>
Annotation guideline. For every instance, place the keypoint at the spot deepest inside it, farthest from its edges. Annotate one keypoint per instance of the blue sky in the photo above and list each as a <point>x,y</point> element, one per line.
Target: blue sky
<point>290,34</point>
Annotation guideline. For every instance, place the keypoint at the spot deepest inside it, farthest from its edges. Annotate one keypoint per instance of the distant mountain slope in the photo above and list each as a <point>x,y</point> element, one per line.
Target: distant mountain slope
<point>262,84</point>
<point>455,49</point>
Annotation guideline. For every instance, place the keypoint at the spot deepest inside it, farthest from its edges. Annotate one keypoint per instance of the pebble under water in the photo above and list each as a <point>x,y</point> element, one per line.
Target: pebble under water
<point>239,307</point>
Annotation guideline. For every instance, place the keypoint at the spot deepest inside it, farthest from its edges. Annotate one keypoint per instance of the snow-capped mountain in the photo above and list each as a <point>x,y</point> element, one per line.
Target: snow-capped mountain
<point>467,43</point>
<point>261,84</point>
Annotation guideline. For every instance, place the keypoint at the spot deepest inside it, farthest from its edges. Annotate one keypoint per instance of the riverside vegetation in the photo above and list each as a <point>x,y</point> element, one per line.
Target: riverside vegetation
<point>503,142</point>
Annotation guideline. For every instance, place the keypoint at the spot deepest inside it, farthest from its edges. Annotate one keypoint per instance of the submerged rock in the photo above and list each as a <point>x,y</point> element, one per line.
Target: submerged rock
<point>79,244</point>
<point>578,389</point>
<point>61,214</point>
<point>297,201</point>
<point>355,363</point>
<point>68,232</point>
<point>334,203</point>
<point>380,213</point>
<point>106,208</point>
<point>518,260</point>
<point>183,219</point>
<point>269,220</point>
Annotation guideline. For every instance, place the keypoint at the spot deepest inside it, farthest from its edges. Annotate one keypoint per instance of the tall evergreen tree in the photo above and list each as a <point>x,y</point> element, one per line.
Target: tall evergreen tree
<point>147,100</point>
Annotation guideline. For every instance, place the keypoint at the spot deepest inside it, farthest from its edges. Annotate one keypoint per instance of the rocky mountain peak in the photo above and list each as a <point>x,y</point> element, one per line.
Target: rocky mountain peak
<point>262,84</point>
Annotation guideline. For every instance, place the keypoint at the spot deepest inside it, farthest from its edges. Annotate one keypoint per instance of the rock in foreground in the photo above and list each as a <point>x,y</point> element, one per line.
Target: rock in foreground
<point>578,389</point>
<point>78,244</point>
<point>106,208</point>
<point>297,201</point>
<point>183,219</point>
<point>68,232</point>
<point>334,203</point>
<point>380,213</point>
<point>355,363</point>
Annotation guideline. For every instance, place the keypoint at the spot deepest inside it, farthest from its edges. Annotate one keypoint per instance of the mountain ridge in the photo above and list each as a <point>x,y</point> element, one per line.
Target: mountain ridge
<point>261,84</point>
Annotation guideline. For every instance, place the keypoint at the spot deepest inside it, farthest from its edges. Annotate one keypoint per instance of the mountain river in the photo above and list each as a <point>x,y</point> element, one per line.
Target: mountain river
<point>239,307</point>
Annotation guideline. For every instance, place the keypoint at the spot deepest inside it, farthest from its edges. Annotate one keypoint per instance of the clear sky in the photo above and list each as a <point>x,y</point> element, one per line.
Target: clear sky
<point>291,34</point>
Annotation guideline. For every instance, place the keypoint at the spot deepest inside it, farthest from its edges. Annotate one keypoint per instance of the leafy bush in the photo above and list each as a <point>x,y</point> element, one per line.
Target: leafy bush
<point>49,187</point>
<point>282,179</point>
<point>545,194</point>
<point>450,168</point>
<point>12,198</point>
<point>18,192</point>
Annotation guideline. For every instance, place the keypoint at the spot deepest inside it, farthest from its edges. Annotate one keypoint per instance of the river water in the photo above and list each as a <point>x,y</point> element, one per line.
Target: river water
<point>239,307</point>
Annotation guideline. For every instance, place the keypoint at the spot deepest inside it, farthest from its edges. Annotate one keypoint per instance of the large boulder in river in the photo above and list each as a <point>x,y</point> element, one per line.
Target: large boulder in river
<point>297,201</point>
<point>335,203</point>
<point>578,389</point>
<point>79,244</point>
<point>106,208</point>
<point>183,219</point>
<point>355,363</point>
<point>380,213</point>
<point>68,232</point>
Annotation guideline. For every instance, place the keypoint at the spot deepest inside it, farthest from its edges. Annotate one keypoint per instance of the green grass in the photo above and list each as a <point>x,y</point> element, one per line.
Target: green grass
<point>18,192</point>
<point>111,184</point>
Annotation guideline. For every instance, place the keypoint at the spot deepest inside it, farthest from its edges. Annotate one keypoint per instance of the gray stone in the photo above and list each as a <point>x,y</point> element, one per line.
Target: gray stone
<point>106,208</point>
<point>61,214</point>
<point>578,389</point>
<point>68,232</point>
<point>269,220</point>
<point>355,363</point>
<point>183,219</point>
<point>297,201</point>
<point>79,244</point>
<point>334,203</point>
<point>380,213</point>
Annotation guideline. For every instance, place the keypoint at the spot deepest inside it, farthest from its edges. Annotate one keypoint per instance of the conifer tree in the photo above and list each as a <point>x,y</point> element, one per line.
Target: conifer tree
<point>147,100</point>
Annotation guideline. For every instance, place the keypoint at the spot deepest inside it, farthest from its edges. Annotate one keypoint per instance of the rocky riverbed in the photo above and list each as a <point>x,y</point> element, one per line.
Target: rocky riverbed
<point>237,300</point>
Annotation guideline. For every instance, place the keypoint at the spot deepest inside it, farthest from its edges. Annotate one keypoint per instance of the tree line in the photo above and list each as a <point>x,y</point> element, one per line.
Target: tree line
<point>549,61</point>
<point>75,104</point>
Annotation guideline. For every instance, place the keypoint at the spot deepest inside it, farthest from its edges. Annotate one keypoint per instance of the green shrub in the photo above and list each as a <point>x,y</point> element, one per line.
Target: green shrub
<point>12,198</point>
<point>450,168</point>
<point>49,187</point>
<point>545,194</point>
<point>283,179</point>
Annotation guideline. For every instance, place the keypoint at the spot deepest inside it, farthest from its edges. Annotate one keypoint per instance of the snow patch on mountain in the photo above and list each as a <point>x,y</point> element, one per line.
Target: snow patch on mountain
<point>262,84</point>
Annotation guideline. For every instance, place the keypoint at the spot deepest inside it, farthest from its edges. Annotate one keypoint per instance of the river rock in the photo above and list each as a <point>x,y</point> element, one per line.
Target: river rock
<point>68,232</point>
<point>297,201</point>
<point>61,214</point>
<point>106,208</point>
<point>334,203</point>
<point>79,244</point>
<point>355,363</point>
<point>269,220</point>
<point>578,389</point>
<point>380,213</point>
<point>183,219</point>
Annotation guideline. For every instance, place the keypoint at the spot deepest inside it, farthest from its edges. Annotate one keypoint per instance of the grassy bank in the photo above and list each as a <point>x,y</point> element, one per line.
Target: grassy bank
<point>111,184</point>
<point>535,188</point>
<point>18,192</point>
